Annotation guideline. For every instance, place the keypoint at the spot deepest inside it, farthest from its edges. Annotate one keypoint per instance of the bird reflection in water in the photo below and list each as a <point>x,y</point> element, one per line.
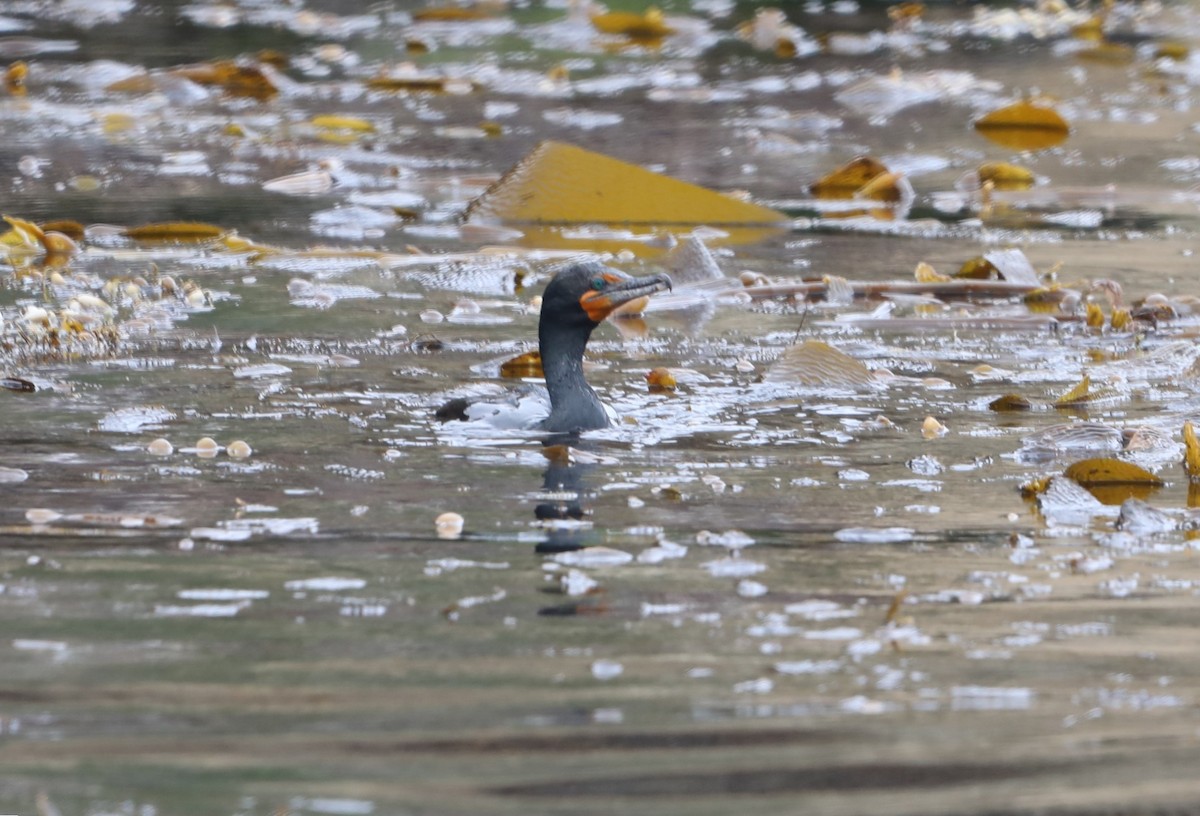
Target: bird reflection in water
<point>563,510</point>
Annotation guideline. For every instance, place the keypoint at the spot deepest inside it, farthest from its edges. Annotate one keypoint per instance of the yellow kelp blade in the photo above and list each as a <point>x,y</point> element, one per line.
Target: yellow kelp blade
<point>1005,176</point>
<point>1076,396</point>
<point>562,184</point>
<point>1191,456</point>
<point>848,179</point>
<point>175,232</point>
<point>648,26</point>
<point>1010,402</point>
<point>1024,126</point>
<point>565,197</point>
<point>524,365</point>
<point>1106,471</point>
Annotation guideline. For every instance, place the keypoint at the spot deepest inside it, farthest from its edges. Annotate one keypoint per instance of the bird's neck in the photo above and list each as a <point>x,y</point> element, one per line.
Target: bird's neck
<point>574,406</point>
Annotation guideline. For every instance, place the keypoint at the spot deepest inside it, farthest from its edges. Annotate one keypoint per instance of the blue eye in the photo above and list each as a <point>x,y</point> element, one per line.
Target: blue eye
<point>599,283</point>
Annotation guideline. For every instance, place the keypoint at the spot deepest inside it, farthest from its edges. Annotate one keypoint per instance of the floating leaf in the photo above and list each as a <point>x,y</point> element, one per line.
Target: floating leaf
<point>562,184</point>
<point>904,14</point>
<point>931,428</point>
<point>15,78</point>
<point>1024,126</point>
<point>1091,29</point>
<point>528,364</point>
<point>661,379</point>
<point>418,83</point>
<point>978,268</point>
<point>1108,471</point>
<point>1005,176</point>
<point>648,26</point>
<point>181,232</point>
<point>1191,456</point>
<point>445,14</point>
<point>924,273</point>
<point>24,233</point>
<point>353,123</point>
<point>136,84</point>
<point>818,364</point>
<point>1035,487</point>
<point>889,187</point>
<point>1172,50</point>
<point>1010,402</point>
<point>236,79</point>
<point>1045,299</point>
<point>1095,316</point>
<point>1077,395</point>
<point>848,179</point>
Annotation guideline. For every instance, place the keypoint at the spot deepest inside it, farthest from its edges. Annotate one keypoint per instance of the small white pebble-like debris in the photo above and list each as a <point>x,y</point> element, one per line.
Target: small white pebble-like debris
<point>733,567</point>
<point>11,475</point>
<point>220,534</point>
<point>760,685</point>
<point>222,594</point>
<point>874,535</point>
<point>40,515</point>
<point>606,669</point>
<point>431,316</point>
<point>238,449</point>
<point>449,525</point>
<point>664,551</point>
<point>160,447</point>
<point>135,419</point>
<point>31,645</point>
<point>350,472</point>
<point>326,584</point>
<point>991,698</point>
<point>651,609</point>
<point>436,566</point>
<point>925,465</point>
<point>1119,587</point>
<point>313,182</point>
<point>210,610</point>
<point>576,582</point>
<point>819,610</point>
<point>256,372</point>
<point>801,667</point>
<point>733,539</point>
<point>593,557</point>
<point>751,589</point>
<point>966,597</point>
<point>498,594</point>
<point>864,705</point>
<point>836,633</point>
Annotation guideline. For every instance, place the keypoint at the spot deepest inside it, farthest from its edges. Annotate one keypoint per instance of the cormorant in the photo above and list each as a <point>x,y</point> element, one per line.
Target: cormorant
<point>575,302</point>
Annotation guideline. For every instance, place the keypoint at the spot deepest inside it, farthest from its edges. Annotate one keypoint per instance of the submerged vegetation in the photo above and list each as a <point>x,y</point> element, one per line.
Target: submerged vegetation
<point>904,467</point>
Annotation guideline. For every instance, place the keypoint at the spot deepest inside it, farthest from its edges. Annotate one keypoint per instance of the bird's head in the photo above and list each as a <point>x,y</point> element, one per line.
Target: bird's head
<point>590,292</point>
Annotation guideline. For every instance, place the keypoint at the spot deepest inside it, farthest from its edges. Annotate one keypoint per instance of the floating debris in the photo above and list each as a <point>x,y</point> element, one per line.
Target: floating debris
<point>1024,126</point>
<point>449,525</point>
<point>559,183</point>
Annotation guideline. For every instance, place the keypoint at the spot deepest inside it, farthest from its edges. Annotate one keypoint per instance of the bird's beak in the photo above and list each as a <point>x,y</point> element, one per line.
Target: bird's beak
<point>621,289</point>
